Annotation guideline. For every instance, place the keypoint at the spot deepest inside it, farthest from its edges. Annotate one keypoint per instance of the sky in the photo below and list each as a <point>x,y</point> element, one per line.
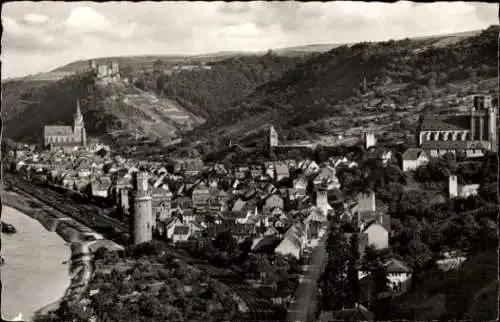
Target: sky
<point>41,36</point>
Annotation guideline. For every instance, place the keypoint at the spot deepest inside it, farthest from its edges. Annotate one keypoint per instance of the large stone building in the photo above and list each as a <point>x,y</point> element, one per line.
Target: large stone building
<point>106,73</point>
<point>471,133</point>
<point>65,136</point>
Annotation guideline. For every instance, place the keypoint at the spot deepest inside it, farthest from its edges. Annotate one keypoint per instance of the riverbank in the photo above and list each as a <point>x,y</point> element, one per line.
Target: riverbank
<point>74,233</point>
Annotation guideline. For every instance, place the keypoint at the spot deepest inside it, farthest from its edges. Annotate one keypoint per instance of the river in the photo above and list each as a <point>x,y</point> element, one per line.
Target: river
<point>33,274</point>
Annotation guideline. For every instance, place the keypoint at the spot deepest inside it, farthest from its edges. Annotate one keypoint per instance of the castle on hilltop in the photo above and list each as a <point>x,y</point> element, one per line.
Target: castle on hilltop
<point>64,136</point>
<point>106,73</point>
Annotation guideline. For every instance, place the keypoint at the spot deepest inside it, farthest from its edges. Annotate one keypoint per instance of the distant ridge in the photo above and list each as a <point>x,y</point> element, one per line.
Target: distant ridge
<point>147,60</point>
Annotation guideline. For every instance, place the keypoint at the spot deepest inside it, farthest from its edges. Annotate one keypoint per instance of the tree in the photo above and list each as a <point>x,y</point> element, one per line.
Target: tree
<point>336,292</point>
<point>225,243</point>
<point>352,274</point>
<point>373,262</point>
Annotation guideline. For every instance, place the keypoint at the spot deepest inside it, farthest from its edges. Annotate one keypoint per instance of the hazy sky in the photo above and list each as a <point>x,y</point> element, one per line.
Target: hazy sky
<point>40,36</point>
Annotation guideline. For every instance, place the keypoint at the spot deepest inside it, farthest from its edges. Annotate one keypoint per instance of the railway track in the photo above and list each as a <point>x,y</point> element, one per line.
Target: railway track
<point>65,205</point>
<point>259,307</point>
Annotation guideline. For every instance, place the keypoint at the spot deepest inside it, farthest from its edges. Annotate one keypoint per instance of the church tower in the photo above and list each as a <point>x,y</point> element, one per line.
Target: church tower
<point>79,132</point>
<point>142,221</point>
<point>273,138</point>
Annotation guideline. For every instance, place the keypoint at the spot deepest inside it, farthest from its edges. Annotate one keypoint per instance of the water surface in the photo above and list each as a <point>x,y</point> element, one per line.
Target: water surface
<point>33,275</point>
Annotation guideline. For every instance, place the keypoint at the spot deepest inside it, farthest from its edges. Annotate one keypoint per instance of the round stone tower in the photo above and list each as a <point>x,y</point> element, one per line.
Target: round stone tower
<point>142,223</point>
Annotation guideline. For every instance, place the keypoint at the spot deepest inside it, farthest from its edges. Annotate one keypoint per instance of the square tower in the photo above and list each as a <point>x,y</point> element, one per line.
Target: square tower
<point>453,186</point>
<point>115,68</point>
<point>370,140</point>
<point>273,137</point>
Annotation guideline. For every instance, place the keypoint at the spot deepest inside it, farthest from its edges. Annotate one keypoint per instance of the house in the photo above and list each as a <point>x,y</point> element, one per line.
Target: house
<point>325,175</point>
<point>256,171</point>
<point>270,170</point>
<point>238,205</point>
<point>363,202</point>
<point>281,171</point>
<point>187,216</point>
<point>398,275</point>
<point>243,210</point>
<point>200,196</point>
<point>239,231</point>
<point>81,184</point>
<point>222,197</point>
<point>84,171</point>
<point>465,191</point>
<point>124,201</point>
<point>266,243</point>
<point>271,202</point>
<point>68,181</point>
<point>161,202</point>
<point>300,185</point>
<point>185,231</point>
<point>293,242</point>
<point>315,223</point>
<point>414,158</point>
<point>374,230</point>
<point>309,167</point>
<point>180,233</point>
<point>322,202</point>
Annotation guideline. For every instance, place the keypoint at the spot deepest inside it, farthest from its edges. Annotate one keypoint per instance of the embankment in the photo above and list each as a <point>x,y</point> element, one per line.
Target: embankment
<point>69,229</point>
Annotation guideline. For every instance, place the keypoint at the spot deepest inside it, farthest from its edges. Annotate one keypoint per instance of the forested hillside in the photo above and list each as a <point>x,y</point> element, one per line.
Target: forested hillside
<point>16,96</point>
<point>208,90</point>
<point>51,103</point>
<point>334,83</point>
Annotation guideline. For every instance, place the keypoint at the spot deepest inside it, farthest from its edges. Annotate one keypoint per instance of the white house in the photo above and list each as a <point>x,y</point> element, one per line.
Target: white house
<point>293,241</point>
<point>378,236</point>
<point>465,191</point>
<point>413,158</point>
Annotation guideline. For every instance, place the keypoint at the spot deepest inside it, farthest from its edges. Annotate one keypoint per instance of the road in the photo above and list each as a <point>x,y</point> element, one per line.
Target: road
<point>306,291</point>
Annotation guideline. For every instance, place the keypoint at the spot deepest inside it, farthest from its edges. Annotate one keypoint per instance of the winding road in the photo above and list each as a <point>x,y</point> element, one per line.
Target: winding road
<point>305,295</point>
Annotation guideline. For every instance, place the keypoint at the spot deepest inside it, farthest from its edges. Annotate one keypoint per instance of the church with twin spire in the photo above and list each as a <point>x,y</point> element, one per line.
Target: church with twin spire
<point>66,137</point>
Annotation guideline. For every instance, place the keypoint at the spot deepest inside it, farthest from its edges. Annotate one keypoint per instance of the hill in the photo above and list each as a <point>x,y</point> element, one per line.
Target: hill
<point>111,111</point>
<point>207,89</point>
<point>188,93</point>
<point>336,85</point>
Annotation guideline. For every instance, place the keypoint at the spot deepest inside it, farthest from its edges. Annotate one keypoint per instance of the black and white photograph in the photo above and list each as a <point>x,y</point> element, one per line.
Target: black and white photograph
<point>249,161</point>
